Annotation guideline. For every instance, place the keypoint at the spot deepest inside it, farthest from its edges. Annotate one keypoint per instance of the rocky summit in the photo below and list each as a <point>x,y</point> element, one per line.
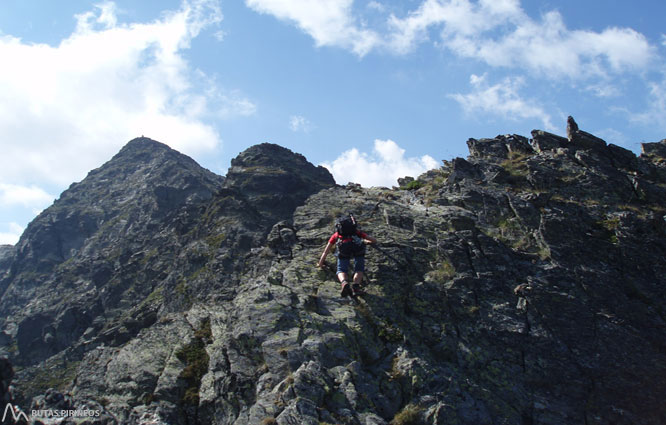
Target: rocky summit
<point>523,285</point>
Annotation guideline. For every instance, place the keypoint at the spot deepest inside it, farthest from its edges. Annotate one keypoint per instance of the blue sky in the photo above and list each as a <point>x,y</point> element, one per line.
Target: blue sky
<point>373,89</point>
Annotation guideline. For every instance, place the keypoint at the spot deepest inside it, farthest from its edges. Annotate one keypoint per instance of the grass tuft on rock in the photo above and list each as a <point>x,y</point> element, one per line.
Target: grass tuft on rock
<point>196,360</point>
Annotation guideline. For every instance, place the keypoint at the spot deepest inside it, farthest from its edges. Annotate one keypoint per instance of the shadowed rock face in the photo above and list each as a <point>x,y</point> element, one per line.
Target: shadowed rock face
<point>275,179</point>
<point>524,285</point>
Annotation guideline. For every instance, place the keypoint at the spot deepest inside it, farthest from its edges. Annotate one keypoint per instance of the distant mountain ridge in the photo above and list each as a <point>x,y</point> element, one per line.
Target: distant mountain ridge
<point>522,285</point>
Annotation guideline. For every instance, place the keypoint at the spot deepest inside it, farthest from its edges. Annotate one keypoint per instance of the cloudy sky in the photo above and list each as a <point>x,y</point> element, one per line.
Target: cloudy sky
<point>372,89</point>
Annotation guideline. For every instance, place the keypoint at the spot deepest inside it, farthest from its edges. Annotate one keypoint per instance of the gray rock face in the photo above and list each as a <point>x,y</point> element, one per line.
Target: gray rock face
<point>6,255</point>
<point>523,285</point>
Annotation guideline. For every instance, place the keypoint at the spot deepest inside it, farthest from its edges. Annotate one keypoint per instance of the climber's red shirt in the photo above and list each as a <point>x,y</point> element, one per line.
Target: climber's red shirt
<point>333,239</point>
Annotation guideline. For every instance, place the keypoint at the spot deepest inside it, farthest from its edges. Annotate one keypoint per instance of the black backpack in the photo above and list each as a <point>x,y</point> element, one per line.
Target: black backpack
<point>346,226</point>
<point>349,244</point>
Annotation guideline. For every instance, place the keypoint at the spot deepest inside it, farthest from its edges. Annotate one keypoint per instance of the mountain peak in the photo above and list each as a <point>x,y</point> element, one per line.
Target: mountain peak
<point>144,180</point>
<point>267,154</point>
<point>145,150</point>
<point>275,179</point>
<point>142,142</point>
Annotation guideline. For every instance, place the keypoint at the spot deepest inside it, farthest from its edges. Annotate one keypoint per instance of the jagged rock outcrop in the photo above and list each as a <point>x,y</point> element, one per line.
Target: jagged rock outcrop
<point>290,176</point>
<point>654,151</point>
<point>522,285</point>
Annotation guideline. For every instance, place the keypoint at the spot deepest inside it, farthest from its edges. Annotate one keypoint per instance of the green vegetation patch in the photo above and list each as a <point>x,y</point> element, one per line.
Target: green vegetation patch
<point>413,185</point>
<point>511,233</point>
<point>409,415</point>
<point>155,297</point>
<point>215,241</point>
<point>516,165</point>
<point>196,360</point>
<point>53,377</point>
<point>149,256</point>
<point>610,225</point>
<point>181,288</point>
<point>204,332</point>
<point>444,271</point>
<point>390,333</point>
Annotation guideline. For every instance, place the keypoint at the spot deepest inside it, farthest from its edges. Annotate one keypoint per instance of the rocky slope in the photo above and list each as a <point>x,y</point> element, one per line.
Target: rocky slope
<point>524,285</point>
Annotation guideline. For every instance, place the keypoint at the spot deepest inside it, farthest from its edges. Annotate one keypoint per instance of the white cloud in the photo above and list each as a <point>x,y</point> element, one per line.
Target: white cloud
<point>227,104</point>
<point>655,115</point>
<point>376,6</point>
<point>300,123</point>
<point>497,32</point>
<point>220,35</point>
<point>65,109</point>
<point>382,167</point>
<point>328,22</point>
<point>501,34</point>
<point>502,99</point>
<point>604,90</point>
<point>106,16</point>
<point>12,235</point>
<point>27,196</point>
<point>457,18</point>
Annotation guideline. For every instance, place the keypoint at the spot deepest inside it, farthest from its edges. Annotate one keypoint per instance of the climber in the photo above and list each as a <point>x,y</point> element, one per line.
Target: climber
<point>350,242</point>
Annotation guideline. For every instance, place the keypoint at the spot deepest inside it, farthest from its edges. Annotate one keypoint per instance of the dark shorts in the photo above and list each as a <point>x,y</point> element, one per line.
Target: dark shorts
<point>343,264</point>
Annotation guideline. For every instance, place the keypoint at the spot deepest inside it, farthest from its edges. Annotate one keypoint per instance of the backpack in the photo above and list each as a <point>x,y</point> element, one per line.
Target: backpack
<point>348,244</point>
<point>346,226</point>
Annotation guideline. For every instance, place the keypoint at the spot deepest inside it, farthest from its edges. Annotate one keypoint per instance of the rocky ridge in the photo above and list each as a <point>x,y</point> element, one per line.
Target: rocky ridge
<point>522,285</point>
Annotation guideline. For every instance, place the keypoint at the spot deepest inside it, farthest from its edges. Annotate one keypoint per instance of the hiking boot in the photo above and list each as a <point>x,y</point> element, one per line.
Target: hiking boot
<point>346,289</point>
<point>357,289</point>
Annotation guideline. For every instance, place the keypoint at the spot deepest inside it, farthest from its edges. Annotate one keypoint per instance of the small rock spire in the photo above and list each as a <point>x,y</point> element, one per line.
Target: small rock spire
<point>572,127</point>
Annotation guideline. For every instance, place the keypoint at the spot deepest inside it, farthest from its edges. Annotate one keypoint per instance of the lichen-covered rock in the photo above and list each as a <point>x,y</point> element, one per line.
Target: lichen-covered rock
<point>523,284</point>
<point>543,141</point>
